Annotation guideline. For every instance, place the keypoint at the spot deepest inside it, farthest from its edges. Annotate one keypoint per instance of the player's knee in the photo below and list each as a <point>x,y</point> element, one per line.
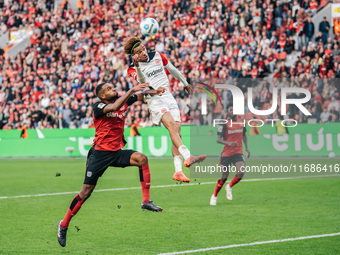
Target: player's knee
<point>143,160</point>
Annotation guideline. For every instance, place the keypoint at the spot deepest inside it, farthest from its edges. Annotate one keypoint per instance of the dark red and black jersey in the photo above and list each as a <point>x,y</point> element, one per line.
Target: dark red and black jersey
<point>232,133</point>
<point>109,134</point>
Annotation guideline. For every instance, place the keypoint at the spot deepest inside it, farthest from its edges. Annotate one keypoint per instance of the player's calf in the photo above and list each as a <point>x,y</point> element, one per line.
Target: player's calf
<point>86,191</point>
<point>140,160</point>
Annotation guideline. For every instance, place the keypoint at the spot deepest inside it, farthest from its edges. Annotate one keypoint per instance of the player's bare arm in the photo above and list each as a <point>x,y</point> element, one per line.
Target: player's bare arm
<point>122,100</point>
<point>178,75</point>
<point>246,145</point>
<point>140,75</point>
<point>159,91</point>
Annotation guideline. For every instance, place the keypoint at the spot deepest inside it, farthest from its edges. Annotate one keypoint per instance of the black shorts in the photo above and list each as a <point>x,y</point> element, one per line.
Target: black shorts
<point>98,161</point>
<point>226,161</point>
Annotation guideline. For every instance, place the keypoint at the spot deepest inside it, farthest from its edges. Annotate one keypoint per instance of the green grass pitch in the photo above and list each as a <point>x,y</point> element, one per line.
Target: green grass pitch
<point>111,222</point>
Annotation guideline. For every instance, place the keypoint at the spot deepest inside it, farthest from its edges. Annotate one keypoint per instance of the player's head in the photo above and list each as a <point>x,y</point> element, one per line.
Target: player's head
<point>230,113</point>
<point>134,46</point>
<point>106,92</point>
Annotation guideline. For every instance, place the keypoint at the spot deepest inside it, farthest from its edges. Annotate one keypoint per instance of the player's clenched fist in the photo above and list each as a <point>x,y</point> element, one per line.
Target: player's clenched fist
<point>248,153</point>
<point>188,89</point>
<point>160,91</point>
<point>232,144</point>
<point>135,60</point>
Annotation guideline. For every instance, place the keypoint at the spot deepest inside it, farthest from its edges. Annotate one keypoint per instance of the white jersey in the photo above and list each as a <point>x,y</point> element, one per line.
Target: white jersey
<point>155,74</point>
<point>153,70</point>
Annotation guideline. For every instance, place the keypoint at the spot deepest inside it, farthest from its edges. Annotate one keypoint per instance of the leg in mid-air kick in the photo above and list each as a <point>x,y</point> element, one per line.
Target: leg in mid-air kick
<point>179,148</point>
<point>178,160</point>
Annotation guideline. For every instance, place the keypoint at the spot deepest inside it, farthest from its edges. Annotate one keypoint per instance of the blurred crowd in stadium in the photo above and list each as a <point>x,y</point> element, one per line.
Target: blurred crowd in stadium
<point>51,83</point>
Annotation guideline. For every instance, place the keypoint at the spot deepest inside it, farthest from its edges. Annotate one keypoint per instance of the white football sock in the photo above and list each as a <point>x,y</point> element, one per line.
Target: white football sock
<point>178,162</point>
<point>184,151</point>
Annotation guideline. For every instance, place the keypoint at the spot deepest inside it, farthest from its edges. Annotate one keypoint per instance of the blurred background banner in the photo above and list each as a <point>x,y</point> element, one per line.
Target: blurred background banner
<point>154,141</point>
<point>336,10</point>
<point>303,140</point>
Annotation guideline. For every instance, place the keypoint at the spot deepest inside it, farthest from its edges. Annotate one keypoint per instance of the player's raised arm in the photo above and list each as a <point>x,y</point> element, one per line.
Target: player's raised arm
<point>136,71</point>
<point>123,99</point>
<point>174,71</point>
<point>140,75</point>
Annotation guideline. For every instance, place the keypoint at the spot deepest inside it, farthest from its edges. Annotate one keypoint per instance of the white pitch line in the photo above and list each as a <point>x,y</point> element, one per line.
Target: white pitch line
<point>170,185</point>
<point>251,244</point>
<point>103,190</point>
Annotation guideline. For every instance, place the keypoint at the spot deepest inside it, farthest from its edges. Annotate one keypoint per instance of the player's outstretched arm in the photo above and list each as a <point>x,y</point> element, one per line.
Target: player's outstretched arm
<point>122,100</point>
<point>177,74</point>
<point>151,92</point>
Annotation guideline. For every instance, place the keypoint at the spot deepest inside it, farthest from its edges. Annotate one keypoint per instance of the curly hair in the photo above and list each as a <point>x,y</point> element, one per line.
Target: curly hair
<point>130,44</point>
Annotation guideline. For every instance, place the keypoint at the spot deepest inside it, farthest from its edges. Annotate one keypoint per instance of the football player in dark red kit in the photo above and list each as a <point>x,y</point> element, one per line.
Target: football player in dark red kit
<point>109,118</point>
<point>231,136</point>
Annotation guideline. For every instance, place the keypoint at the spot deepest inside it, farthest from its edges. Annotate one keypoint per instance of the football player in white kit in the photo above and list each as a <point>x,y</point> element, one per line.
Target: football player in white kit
<point>150,67</point>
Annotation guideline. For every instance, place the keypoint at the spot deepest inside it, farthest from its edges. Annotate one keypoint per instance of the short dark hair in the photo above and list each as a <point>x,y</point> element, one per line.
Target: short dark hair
<point>99,88</point>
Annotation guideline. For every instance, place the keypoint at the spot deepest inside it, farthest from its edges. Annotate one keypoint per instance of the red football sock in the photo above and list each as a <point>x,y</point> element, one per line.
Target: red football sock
<point>144,174</point>
<point>74,208</point>
<point>218,187</point>
<point>234,181</point>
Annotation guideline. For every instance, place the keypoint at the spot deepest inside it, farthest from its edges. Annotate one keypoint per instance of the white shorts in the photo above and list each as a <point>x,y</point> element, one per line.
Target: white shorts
<point>158,105</point>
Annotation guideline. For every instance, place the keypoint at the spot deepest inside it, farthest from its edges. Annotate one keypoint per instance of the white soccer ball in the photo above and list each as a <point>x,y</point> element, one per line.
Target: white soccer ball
<point>331,155</point>
<point>149,27</point>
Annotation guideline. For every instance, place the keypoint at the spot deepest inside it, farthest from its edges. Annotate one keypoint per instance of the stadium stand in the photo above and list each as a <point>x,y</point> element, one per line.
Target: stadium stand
<point>50,83</point>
